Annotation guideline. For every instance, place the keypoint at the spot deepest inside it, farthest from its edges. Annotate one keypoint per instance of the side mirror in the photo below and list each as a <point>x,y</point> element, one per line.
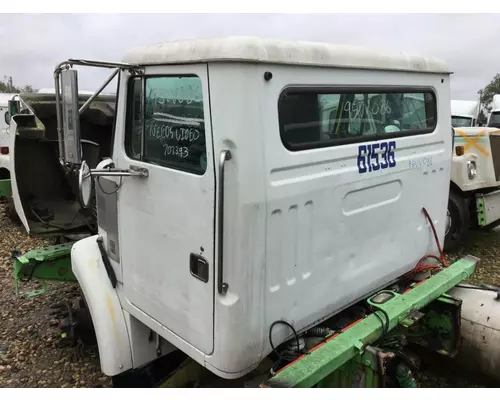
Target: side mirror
<point>84,185</point>
<point>71,116</point>
<point>14,109</point>
<point>85,175</point>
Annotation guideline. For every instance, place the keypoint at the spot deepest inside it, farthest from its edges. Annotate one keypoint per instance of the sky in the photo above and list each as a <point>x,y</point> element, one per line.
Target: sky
<point>32,44</point>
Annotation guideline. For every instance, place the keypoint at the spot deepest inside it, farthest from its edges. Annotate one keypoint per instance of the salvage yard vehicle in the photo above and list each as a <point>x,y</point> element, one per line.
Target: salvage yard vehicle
<point>464,113</point>
<point>5,188</point>
<point>474,200</point>
<point>270,214</point>
<point>45,197</point>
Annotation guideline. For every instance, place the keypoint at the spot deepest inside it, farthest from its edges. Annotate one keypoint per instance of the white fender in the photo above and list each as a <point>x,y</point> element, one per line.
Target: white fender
<point>107,315</point>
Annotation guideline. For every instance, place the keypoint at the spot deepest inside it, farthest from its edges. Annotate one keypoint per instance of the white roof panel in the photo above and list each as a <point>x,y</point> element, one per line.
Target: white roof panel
<point>277,51</point>
<point>5,97</point>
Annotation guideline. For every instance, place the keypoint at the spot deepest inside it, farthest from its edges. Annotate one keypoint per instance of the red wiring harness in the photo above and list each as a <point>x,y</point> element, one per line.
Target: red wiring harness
<point>441,259</point>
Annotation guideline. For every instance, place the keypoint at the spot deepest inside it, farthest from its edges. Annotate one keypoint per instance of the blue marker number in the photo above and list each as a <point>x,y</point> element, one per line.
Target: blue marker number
<point>372,157</point>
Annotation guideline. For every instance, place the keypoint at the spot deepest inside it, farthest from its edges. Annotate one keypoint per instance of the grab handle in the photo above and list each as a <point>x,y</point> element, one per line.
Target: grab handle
<point>222,286</point>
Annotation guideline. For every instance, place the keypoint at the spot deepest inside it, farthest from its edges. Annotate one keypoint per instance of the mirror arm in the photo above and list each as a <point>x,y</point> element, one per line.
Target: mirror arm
<point>98,91</point>
<point>60,134</point>
<point>140,172</point>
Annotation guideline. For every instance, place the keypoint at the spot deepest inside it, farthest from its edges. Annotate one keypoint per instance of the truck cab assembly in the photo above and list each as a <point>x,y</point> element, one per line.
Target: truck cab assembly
<point>256,212</point>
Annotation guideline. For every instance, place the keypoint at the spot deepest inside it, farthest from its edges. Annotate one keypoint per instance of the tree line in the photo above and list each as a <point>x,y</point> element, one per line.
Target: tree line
<point>486,97</point>
<point>6,86</point>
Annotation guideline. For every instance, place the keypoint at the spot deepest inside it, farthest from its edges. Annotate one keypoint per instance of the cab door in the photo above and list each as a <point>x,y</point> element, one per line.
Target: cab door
<point>167,219</point>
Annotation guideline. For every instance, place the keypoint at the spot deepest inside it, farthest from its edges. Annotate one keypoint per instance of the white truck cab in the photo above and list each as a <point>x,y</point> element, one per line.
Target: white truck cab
<point>4,135</point>
<point>475,182</point>
<point>253,181</point>
<point>464,113</point>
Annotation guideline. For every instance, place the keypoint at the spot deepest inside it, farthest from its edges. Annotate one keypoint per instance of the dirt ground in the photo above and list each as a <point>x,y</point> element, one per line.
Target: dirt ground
<point>30,351</point>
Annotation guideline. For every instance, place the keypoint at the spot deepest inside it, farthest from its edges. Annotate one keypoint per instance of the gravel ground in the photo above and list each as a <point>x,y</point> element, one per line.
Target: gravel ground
<point>30,350</point>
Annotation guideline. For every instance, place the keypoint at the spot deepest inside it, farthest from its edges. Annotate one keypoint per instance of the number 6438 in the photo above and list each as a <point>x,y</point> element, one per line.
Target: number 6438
<point>376,156</point>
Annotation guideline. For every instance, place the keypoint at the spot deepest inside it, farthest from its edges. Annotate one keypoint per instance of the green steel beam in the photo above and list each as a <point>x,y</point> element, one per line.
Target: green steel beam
<point>325,360</point>
<point>5,188</point>
<point>481,212</point>
<point>52,263</point>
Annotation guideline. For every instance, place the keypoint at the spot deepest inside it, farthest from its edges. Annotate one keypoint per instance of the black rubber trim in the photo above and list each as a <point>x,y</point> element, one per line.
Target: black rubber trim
<point>107,264</point>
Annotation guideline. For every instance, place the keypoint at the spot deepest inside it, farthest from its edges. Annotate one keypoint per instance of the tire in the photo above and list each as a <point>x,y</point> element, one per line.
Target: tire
<point>459,221</point>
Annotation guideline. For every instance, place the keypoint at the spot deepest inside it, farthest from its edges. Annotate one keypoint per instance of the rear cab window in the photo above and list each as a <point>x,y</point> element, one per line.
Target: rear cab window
<point>317,117</point>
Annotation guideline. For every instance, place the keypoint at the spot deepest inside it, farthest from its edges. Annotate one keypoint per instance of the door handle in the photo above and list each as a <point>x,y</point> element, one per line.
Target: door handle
<point>222,286</point>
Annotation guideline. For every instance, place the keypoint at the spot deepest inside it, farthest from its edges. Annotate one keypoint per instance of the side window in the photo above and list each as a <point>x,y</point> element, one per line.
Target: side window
<point>172,125</point>
<point>133,136</point>
<point>310,119</point>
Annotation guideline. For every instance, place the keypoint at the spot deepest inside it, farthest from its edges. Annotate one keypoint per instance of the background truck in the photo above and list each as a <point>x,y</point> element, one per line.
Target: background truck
<point>44,195</point>
<point>464,113</point>
<point>5,188</point>
<point>270,214</point>
<point>494,116</point>
<point>474,200</point>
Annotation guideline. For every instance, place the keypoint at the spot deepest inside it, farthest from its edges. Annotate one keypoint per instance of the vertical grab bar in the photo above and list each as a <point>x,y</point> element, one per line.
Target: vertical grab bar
<point>222,286</point>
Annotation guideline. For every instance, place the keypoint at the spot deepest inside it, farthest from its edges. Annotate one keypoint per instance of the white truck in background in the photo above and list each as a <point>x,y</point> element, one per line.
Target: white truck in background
<point>43,197</point>
<point>5,188</point>
<point>475,175</point>
<point>474,200</point>
<point>494,117</point>
<point>464,113</point>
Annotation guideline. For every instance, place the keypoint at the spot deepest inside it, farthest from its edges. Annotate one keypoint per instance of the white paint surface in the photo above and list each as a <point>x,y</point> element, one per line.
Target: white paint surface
<point>264,50</point>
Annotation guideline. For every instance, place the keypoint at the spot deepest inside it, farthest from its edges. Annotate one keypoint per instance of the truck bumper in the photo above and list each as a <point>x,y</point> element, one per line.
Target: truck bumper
<point>488,208</point>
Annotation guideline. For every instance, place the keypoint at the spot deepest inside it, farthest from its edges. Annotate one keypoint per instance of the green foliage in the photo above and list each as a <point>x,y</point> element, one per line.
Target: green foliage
<point>489,91</point>
<point>7,87</point>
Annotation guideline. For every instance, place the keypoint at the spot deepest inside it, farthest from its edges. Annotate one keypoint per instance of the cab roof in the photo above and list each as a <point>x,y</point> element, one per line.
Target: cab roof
<point>278,51</point>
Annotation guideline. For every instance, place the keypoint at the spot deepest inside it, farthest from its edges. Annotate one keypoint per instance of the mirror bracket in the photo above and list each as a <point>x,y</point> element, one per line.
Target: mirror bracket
<point>84,192</point>
<point>133,171</point>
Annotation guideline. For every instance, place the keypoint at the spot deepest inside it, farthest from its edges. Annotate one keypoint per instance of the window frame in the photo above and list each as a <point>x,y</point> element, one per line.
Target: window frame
<point>324,90</point>
<point>115,118</point>
<point>129,119</point>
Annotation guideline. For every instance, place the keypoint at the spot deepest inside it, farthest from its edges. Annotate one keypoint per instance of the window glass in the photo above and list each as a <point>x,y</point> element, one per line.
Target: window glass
<point>311,118</point>
<point>134,123</point>
<point>495,120</point>
<point>457,122</point>
<point>173,121</point>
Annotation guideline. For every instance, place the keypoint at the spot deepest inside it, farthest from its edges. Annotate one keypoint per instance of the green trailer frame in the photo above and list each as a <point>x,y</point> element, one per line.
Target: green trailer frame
<point>52,263</point>
<point>350,354</point>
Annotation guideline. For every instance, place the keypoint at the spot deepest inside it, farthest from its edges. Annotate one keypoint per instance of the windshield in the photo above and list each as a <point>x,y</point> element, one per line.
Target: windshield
<point>495,119</point>
<point>458,122</point>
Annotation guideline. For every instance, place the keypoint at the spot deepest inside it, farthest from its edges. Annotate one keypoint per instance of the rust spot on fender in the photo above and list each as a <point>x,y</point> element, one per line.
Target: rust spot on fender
<point>112,314</point>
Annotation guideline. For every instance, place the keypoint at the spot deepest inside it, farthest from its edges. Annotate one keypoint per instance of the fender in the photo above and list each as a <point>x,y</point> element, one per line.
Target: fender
<point>105,308</point>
